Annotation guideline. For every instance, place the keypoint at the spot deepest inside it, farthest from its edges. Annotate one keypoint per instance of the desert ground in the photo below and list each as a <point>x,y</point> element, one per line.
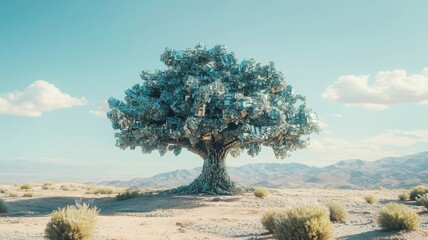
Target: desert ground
<point>193,216</point>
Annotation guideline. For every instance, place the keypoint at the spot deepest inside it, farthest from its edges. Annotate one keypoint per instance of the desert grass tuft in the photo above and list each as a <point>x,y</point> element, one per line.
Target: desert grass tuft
<point>270,218</point>
<point>370,199</point>
<point>47,186</point>
<point>418,191</point>
<point>100,190</point>
<point>304,221</point>
<point>72,223</point>
<point>29,194</point>
<point>423,200</point>
<point>337,212</point>
<point>27,186</point>
<point>128,194</point>
<point>13,194</point>
<point>68,187</point>
<point>261,192</point>
<point>397,217</point>
<point>3,206</point>
<point>403,196</point>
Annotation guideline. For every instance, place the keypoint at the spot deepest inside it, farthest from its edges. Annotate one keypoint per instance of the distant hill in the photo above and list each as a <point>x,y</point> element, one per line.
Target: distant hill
<point>391,172</point>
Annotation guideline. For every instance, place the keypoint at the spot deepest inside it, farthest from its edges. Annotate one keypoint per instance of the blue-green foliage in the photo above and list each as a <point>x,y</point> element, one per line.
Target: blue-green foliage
<point>206,99</point>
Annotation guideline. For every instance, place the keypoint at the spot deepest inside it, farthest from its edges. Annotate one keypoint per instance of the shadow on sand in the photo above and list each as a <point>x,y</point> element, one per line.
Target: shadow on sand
<point>36,207</point>
<point>375,234</point>
<point>258,236</point>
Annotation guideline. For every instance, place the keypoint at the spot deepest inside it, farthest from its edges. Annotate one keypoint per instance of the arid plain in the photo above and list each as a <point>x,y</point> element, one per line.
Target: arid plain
<point>192,216</point>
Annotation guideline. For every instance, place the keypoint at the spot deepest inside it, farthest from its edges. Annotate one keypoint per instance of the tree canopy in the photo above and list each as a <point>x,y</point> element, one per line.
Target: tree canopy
<point>206,97</point>
<point>209,103</point>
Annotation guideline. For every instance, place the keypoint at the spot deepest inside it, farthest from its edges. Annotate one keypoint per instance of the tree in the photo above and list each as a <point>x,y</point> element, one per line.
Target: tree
<point>211,105</point>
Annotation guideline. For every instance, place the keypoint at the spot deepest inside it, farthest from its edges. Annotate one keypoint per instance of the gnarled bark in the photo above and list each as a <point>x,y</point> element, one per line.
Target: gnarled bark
<point>213,178</point>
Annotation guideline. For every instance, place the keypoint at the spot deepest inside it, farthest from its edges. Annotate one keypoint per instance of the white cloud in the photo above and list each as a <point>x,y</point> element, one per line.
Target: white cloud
<point>389,143</point>
<point>102,109</point>
<point>36,99</point>
<point>338,115</point>
<point>389,88</point>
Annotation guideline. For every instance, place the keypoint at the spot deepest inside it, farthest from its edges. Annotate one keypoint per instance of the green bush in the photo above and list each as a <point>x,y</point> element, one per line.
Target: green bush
<point>72,223</point>
<point>423,200</point>
<point>403,196</point>
<point>3,206</point>
<point>128,194</point>
<point>261,192</point>
<point>418,190</point>
<point>337,212</point>
<point>370,199</point>
<point>305,221</point>
<point>394,216</point>
<point>269,219</point>
<point>26,186</point>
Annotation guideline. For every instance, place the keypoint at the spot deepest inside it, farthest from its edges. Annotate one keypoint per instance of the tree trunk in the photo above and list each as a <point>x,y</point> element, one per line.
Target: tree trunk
<point>213,179</point>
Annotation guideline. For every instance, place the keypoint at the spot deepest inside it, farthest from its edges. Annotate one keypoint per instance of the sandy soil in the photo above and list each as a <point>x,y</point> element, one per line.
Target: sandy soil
<point>195,217</point>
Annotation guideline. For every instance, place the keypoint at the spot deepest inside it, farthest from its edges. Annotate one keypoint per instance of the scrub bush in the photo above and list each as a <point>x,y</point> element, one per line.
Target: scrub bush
<point>270,218</point>
<point>47,186</point>
<point>394,216</point>
<point>403,196</point>
<point>416,191</point>
<point>305,221</point>
<point>370,199</point>
<point>128,194</point>
<point>26,186</point>
<point>72,223</point>
<point>261,192</point>
<point>337,212</point>
<point>423,200</point>
<point>100,190</point>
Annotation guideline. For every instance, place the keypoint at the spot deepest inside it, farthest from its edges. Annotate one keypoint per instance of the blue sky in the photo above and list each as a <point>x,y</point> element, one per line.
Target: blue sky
<point>359,63</point>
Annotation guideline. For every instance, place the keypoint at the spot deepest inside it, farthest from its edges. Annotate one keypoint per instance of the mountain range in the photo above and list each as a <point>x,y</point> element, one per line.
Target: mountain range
<point>391,172</point>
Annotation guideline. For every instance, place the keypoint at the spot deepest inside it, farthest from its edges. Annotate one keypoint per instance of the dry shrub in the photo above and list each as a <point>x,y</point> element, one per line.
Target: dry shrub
<point>184,223</point>
<point>29,194</point>
<point>403,196</point>
<point>394,216</point>
<point>128,194</point>
<point>416,191</point>
<point>423,200</point>
<point>13,194</point>
<point>337,212</point>
<point>370,199</point>
<point>305,221</point>
<point>68,187</point>
<point>100,190</point>
<point>72,223</point>
<point>261,192</point>
<point>26,186</point>
<point>269,219</point>
<point>3,206</point>
<point>47,186</point>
